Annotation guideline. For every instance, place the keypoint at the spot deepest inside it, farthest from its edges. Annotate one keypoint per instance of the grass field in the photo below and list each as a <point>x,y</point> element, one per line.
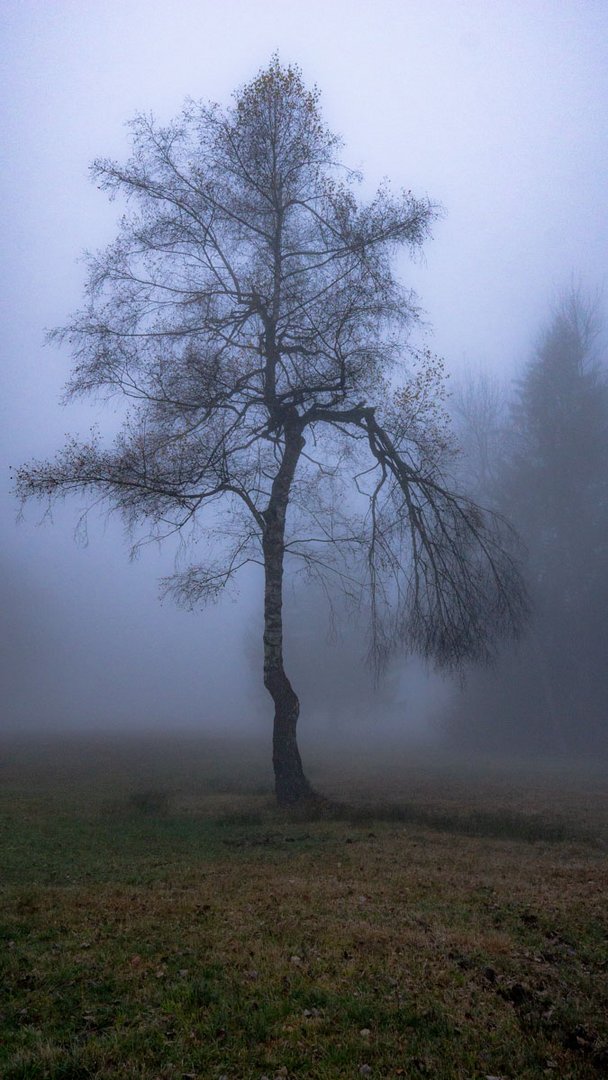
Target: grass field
<point>161,919</point>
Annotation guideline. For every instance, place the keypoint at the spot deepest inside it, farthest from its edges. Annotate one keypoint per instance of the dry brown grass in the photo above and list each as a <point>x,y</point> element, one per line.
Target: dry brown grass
<point>210,935</point>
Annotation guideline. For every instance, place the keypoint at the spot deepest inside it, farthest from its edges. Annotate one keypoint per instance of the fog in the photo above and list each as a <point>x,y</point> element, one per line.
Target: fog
<point>496,111</point>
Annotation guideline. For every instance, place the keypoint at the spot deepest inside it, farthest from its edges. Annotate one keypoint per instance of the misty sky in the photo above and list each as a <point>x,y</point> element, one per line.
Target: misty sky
<point>495,108</point>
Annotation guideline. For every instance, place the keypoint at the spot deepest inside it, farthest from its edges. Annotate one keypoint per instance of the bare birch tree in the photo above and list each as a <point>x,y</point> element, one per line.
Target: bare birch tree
<point>250,311</point>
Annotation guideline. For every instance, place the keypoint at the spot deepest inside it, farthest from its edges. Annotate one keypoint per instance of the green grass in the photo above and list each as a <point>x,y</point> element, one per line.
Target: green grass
<point>160,919</point>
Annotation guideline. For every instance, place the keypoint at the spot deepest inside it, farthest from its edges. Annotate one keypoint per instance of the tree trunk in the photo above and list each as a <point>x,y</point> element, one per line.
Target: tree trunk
<point>291,785</point>
<point>548,693</point>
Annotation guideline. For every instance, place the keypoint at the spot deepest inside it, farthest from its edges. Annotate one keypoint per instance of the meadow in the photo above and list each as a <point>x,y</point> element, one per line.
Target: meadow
<point>161,919</point>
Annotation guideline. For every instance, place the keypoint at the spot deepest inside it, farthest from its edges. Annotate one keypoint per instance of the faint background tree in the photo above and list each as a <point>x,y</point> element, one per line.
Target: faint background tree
<point>249,311</point>
<point>479,407</point>
<point>549,474</point>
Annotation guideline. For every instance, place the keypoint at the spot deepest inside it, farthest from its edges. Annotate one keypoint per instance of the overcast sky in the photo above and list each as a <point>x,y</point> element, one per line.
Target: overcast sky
<point>495,108</point>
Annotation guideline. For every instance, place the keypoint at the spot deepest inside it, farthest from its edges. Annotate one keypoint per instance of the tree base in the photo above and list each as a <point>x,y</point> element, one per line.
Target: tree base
<point>293,790</point>
<point>314,807</point>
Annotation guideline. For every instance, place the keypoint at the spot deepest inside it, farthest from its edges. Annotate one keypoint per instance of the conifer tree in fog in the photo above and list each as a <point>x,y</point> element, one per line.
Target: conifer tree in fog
<point>549,474</point>
<point>556,488</point>
<point>249,311</point>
